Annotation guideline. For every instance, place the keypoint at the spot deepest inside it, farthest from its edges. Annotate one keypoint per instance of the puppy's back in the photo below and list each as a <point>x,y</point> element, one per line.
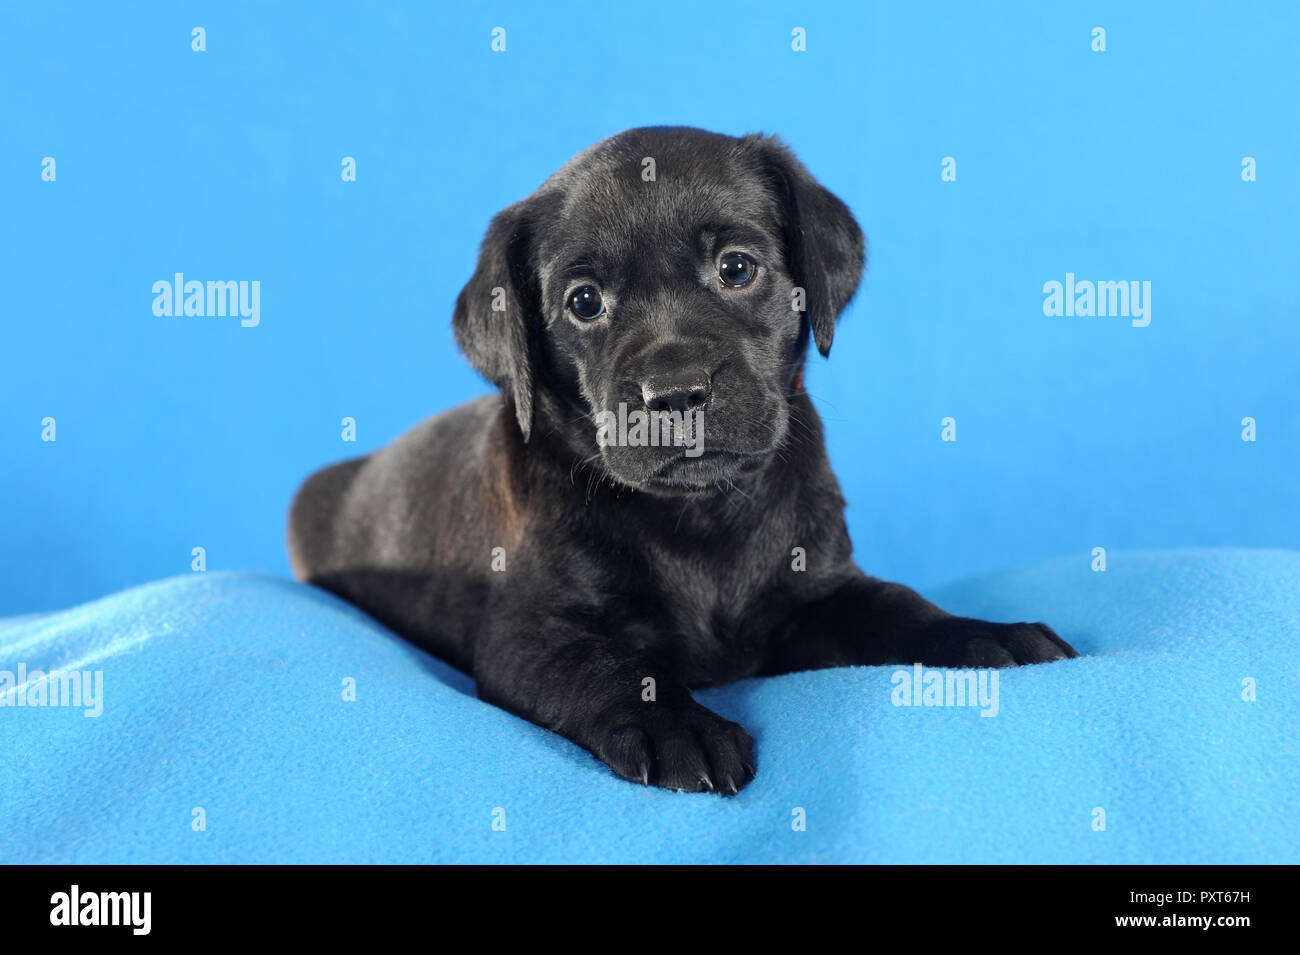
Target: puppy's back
<point>314,515</point>
<point>405,533</point>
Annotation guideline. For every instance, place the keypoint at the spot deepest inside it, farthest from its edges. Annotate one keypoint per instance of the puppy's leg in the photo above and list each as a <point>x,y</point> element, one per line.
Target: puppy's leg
<point>623,705</point>
<point>868,622</point>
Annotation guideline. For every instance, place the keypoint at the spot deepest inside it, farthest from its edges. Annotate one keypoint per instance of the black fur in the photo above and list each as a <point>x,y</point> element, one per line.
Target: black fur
<point>629,564</point>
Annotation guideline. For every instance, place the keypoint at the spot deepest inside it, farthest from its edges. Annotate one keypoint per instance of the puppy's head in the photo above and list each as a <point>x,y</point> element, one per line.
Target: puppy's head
<point>654,298</point>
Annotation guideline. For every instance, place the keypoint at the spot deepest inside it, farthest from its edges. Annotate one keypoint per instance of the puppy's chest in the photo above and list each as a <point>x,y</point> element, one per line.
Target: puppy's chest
<point>709,613</point>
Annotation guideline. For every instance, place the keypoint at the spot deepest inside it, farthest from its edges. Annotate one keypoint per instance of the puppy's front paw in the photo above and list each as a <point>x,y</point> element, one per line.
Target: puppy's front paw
<point>676,746</point>
<point>966,642</point>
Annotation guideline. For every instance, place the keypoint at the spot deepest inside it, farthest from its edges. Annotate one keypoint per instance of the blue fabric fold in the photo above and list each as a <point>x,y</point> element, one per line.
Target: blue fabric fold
<point>225,735</point>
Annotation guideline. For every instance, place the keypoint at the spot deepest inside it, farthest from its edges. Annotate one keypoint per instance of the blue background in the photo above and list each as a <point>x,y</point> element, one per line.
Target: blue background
<point>1072,432</point>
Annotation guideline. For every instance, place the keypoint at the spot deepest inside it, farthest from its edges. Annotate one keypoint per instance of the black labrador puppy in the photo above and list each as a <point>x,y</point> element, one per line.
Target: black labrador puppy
<point>647,506</point>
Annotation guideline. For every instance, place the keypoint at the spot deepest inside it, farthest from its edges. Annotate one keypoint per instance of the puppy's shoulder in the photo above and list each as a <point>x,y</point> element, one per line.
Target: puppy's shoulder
<point>453,446</point>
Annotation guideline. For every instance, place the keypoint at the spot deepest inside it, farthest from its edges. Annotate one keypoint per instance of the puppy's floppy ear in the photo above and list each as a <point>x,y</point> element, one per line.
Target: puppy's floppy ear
<point>824,244</point>
<point>496,317</point>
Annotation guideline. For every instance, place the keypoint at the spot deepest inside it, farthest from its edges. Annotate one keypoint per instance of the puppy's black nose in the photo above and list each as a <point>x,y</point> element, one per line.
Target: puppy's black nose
<point>679,391</point>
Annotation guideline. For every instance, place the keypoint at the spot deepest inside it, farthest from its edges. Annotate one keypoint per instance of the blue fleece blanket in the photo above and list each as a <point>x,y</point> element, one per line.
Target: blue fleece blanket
<point>247,719</point>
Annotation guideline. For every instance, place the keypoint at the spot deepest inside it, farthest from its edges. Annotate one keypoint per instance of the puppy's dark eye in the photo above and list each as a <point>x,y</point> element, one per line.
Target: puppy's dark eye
<point>586,303</point>
<point>736,269</point>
